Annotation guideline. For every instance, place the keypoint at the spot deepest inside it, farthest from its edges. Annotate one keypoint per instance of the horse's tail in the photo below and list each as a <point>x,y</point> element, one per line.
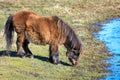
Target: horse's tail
<point>9,29</point>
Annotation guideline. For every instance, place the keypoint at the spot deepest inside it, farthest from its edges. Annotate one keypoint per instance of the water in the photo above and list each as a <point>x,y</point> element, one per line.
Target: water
<point>110,35</point>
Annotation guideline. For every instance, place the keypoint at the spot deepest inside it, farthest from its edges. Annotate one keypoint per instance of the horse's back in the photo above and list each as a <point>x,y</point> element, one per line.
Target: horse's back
<point>38,29</point>
<point>46,27</point>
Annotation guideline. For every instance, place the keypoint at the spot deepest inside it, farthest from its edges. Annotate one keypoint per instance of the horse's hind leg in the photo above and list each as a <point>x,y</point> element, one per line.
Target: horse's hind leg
<point>54,55</point>
<point>19,43</point>
<point>28,53</point>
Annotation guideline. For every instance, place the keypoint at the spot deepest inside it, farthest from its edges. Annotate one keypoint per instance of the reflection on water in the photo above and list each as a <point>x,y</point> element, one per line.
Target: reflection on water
<point>110,35</point>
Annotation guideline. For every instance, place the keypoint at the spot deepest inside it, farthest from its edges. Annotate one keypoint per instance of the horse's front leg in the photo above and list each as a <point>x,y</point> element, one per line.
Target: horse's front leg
<point>19,43</point>
<point>28,53</point>
<point>53,54</point>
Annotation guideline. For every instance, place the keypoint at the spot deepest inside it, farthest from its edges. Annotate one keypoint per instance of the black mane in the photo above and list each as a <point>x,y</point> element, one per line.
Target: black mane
<point>72,42</point>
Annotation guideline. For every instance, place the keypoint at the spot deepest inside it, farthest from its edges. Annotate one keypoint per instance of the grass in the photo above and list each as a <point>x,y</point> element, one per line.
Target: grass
<point>81,15</point>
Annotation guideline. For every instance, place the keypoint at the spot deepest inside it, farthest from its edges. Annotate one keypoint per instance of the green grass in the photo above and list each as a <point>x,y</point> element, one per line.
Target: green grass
<point>28,69</point>
<point>81,15</point>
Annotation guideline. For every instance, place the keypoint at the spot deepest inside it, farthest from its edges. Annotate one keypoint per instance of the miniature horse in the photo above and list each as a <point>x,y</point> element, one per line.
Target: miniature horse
<point>42,30</point>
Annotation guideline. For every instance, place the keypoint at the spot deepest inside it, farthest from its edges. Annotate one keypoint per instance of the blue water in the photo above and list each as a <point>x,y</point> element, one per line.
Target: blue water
<point>110,35</point>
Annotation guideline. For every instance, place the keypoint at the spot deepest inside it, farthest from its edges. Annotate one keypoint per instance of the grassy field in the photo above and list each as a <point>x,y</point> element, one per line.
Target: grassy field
<point>81,15</point>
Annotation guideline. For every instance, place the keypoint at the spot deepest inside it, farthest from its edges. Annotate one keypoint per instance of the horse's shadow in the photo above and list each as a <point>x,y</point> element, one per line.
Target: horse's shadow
<point>42,58</point>
<point>11,54</point>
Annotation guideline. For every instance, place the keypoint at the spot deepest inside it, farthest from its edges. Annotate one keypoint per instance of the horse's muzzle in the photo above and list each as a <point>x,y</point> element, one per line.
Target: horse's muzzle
<point>73,61</point>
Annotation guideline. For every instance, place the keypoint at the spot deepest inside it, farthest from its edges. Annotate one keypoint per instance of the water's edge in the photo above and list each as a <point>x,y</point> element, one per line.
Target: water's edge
<point>110,35</point>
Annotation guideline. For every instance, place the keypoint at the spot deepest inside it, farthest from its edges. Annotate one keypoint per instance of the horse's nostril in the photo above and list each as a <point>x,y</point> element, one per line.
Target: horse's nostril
<point>75,62</point>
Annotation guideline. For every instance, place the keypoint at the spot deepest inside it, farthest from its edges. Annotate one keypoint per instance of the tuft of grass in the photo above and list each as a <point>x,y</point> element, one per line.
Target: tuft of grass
<point>81,15</point>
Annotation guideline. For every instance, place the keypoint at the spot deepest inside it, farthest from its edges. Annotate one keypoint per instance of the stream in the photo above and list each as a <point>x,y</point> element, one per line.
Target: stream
<point>110,35</point>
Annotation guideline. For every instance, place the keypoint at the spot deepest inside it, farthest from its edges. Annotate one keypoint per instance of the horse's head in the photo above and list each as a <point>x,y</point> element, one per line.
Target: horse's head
<point>73,56</point>
<point>72,43</point>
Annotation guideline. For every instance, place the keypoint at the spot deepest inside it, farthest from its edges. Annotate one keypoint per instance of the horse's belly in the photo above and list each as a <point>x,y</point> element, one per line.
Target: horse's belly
<point>35,38</point>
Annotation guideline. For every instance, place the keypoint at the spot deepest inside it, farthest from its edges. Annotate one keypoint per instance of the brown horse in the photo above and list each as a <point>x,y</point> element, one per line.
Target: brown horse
<point>42,30</point>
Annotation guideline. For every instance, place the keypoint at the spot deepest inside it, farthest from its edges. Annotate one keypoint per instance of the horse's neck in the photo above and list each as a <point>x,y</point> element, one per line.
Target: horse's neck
<point>71,39</point>
<point>70,42</point>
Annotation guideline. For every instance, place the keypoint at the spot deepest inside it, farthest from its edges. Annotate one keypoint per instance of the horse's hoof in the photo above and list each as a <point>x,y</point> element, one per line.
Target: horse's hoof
<point>32,57</point>
<point>23,57</point>
<point>59,64</point>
